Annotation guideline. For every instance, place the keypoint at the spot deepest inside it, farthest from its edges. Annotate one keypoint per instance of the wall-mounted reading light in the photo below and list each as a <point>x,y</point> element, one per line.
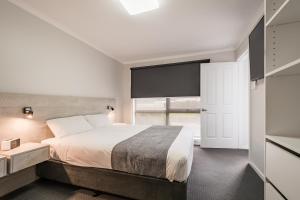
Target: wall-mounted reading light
<point>111,113</point>
<point>110,108</point>
<point>28,112</point>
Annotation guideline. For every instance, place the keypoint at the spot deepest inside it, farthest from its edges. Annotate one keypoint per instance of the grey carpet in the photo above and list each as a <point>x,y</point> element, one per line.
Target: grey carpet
<point>217,174</point>
<point>223,174</point>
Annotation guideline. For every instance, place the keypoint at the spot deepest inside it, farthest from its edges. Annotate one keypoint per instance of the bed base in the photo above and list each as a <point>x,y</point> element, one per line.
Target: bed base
<point>113,182</point>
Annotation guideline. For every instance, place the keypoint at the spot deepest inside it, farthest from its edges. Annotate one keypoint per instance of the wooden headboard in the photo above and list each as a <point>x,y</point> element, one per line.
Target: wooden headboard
<point>14,124</point>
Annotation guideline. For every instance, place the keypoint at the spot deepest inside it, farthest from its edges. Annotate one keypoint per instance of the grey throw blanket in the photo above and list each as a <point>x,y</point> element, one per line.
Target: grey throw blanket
<point>146,152</point>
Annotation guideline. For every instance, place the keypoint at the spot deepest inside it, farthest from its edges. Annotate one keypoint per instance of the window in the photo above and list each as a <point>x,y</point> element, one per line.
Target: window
<point>183,111</point>
<point>150,111</point>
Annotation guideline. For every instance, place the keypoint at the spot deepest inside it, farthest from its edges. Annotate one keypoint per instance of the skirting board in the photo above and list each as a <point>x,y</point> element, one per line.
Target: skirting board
<point>258,172</point>
<point>245,147</point>
<point>197,141</point>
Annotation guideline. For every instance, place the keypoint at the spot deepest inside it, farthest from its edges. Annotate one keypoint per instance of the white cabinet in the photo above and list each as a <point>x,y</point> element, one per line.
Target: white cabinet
<point>25,156</point>
<point>272,194</point>
<point>282,78</point>
<point>282,169</point>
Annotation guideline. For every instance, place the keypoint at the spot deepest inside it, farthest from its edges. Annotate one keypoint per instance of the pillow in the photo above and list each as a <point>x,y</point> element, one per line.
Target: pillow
<point>98,120</point>
<point>68,126</point>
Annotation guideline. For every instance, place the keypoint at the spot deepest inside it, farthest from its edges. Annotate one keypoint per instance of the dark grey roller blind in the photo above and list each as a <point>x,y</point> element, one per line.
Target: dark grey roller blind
<point>170,80</point>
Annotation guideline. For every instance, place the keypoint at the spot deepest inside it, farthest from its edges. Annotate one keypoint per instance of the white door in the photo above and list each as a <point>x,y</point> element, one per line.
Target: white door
<point>219,123</point>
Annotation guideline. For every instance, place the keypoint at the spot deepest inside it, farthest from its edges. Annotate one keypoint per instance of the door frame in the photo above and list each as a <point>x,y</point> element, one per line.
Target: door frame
<point>245,55</point>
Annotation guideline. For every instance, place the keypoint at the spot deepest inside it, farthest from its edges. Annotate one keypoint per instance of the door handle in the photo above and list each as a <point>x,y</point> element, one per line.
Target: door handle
<point>203,110</point>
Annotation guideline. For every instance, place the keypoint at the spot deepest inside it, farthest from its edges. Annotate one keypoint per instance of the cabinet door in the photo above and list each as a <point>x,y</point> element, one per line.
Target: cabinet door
<point>272,194</point>
<point>282,169</point>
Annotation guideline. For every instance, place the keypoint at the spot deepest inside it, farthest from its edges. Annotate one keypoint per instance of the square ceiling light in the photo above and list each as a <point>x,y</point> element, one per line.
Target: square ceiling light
<point>139,6</point>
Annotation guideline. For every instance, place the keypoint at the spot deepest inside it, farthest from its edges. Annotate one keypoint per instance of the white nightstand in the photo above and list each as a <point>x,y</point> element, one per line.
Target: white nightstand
<point>3,168</point>
<point>27,155</point>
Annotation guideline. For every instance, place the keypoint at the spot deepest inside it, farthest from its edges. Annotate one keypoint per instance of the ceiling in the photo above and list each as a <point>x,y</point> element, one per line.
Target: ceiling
<point>178,27</point>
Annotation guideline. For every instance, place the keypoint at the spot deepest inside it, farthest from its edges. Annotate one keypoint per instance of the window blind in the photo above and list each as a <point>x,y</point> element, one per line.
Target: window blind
<point>168,80</point>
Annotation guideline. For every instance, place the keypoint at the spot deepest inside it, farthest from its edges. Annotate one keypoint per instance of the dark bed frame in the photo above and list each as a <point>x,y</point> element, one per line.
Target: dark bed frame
<point>113,182</point>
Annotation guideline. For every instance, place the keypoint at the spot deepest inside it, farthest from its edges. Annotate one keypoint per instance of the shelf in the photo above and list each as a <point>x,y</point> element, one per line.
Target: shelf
<point>292,143</point>
<point>291,68</point>
<point>288,12</point>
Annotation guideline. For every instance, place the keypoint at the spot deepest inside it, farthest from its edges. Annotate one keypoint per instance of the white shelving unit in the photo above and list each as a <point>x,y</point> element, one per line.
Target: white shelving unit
<point>272,6</point>
<point>287,12</point>
<point>292,143</point>
<point>282,29</point>
<point>288,69</point>
<point>282,45</point>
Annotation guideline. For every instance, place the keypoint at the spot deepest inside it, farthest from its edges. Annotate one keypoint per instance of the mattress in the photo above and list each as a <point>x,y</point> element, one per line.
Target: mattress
<point>94,149</point>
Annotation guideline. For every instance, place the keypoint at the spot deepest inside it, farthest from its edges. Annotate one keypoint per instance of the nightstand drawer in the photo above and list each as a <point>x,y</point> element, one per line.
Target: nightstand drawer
<point>27,159</point>
<point>3,169</point>
<point>282,169</point>
<point>25,156</point>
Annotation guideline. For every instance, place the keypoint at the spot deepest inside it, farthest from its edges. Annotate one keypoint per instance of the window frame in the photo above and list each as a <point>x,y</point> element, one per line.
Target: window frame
<point>167,111</point>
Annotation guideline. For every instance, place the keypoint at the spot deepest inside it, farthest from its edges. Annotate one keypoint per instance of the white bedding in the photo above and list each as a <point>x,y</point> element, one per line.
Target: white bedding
<point>94,148</point>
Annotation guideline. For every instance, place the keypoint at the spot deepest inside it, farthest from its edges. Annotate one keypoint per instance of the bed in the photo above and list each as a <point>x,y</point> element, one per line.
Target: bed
<point>103,158</point>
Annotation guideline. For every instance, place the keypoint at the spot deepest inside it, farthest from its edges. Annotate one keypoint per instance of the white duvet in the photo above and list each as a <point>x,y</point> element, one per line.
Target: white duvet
<point>94,148</point>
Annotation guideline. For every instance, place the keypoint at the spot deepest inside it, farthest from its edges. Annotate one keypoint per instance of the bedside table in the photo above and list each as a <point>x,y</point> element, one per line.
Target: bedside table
<point>26,155</point>
<point>3,169</point>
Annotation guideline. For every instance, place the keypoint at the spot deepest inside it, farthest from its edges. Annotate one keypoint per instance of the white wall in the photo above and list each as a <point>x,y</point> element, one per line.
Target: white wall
<point>244,43</point>
<point>37,58</point>
<point>257,125</point>
<point>244,100</point>
<point>257,108</point>
<point>226,56</point>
